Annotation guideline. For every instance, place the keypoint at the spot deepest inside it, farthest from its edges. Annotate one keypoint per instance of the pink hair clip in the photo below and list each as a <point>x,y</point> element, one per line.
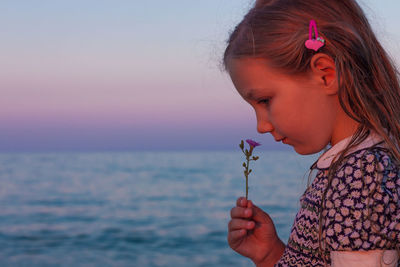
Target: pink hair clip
<point>316,43</point>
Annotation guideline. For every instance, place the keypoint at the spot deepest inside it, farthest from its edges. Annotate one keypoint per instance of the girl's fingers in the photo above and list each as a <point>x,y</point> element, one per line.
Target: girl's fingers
<point>241,202</point>
<point>258,214</point>
<point>237,224</point>
<point>239,212</point>
<point>237,234</point>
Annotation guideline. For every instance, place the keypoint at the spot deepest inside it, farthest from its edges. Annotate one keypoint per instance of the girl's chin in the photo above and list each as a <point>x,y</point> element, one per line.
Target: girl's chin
<point>305,151</point>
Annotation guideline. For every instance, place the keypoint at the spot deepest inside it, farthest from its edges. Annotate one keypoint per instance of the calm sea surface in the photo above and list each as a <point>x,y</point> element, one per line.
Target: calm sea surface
<point>137,209</point>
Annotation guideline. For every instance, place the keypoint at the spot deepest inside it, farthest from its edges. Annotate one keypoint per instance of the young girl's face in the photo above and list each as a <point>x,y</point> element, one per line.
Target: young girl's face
<point>293,109</point>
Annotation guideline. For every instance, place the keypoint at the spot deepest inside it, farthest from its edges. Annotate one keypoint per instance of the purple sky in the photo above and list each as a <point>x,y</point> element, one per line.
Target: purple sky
<point>129,75</point>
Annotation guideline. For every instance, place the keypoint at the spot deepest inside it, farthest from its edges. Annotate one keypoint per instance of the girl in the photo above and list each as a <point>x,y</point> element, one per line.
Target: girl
<point>311,88</point>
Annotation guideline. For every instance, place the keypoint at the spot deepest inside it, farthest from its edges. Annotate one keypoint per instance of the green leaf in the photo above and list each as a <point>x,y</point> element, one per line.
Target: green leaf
<point>250,171</point>
<point>244,164</point>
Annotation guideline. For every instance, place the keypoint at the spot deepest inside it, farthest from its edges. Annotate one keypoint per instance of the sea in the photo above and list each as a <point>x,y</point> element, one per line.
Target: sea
<point>138,208</point>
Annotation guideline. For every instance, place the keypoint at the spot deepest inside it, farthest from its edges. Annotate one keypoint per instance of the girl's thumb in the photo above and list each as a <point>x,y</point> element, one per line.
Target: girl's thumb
<point>258,214</point>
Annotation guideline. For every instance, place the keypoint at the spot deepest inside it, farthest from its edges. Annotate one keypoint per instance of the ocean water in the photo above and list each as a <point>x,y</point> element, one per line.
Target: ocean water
<point>139,208</point>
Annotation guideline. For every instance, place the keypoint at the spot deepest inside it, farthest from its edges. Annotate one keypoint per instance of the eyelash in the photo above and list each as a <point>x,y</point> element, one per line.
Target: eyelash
<point>264,101</point>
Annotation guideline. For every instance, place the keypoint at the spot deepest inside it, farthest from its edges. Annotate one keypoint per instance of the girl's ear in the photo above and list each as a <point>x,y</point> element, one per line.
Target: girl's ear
<point>324,71</point>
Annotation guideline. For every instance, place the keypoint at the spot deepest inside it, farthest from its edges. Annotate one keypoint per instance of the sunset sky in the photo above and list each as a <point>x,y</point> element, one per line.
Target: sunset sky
<point>129,75</point>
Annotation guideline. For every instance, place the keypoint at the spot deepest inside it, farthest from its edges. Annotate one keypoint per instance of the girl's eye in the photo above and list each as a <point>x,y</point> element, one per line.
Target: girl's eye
<point>264,101</point>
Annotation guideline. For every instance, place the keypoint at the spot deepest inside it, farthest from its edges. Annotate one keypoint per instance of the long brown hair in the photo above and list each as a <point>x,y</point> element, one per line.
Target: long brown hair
<point>369,90</point>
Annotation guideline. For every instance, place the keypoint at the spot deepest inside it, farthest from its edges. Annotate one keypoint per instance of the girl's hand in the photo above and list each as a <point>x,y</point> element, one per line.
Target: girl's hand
<point>252,234</point>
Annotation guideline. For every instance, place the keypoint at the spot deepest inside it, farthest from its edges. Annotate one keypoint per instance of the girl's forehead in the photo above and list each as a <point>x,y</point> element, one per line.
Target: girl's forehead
<point>246,70</point>
<point>256,70</point>
<point>254,73</point>
<point>248,63</point>
<point>256,67</point>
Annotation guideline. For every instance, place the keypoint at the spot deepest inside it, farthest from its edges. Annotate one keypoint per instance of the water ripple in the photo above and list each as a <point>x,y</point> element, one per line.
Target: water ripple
<point>136,209</point>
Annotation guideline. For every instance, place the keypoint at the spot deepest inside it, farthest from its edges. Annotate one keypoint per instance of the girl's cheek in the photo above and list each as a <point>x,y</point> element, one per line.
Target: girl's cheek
<point>273,113</point>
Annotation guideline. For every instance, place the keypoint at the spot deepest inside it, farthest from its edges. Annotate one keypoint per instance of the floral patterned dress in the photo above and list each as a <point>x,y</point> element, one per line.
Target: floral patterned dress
<point>362,207</point>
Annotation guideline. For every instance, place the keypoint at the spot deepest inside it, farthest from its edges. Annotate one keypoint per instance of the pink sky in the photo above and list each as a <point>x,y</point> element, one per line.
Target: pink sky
<point>76,72</point>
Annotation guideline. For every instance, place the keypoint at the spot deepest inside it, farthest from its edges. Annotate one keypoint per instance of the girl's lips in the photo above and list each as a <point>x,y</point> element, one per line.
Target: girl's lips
<point>284,140</point>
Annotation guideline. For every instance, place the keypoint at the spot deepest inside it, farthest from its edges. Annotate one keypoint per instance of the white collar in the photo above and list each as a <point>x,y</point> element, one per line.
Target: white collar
<point>325,160</point>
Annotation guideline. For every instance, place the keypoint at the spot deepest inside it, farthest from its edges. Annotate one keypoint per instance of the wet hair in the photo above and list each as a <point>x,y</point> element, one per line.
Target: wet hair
<point>368,80</point>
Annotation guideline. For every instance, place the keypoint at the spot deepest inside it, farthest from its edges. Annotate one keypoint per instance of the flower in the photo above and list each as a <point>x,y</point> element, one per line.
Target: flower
<point>248,154</point>
<point>252,143</point>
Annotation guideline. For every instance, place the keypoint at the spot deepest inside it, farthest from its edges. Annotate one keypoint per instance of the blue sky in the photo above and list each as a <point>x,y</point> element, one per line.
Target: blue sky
<point>129,75</point>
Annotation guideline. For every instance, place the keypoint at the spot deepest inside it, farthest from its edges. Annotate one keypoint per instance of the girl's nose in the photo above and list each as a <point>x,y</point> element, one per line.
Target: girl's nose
<point>264,126</point>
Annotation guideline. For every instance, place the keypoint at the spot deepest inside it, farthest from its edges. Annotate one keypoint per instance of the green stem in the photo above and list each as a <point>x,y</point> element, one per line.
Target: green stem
<point>247,177</point>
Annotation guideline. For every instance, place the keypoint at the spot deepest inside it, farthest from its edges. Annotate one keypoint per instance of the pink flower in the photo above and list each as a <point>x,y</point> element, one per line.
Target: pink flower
<point>344,211</point>
<point>248,153</point>
<point>345,240</point>
<point>252,143</point>
<point>330,232</point>
<point>337,227</point>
